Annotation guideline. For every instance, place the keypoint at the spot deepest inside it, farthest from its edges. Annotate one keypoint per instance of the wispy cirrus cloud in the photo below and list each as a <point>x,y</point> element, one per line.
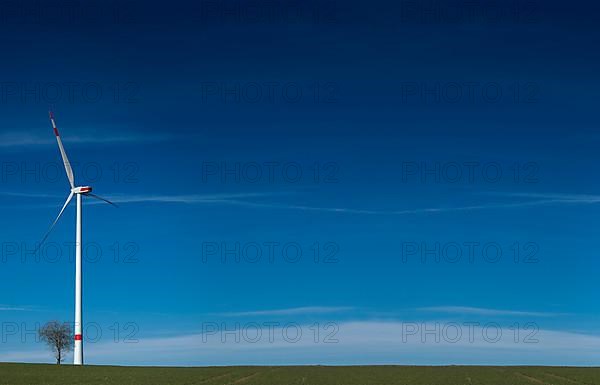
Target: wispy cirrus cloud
<point>187,199</point>
<point>556,197</point>
<point>532,199</point>
<point>217,198</point>
<point>245,199</point>
<point>240,199</point>
<point>467,310</point>
<point>424,210</point>
<point>27,195</point>
<point>289,311</point>
<point>22,139</point>
<point>14,308</point>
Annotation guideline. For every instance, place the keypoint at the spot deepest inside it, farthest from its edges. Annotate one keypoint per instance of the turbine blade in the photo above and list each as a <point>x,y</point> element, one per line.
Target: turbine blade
<point>66,162</point>
<point>100,198</point>
<point>55,221</point>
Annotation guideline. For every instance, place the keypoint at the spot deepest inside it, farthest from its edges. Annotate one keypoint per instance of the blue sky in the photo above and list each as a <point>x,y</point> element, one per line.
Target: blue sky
<point>379,132</point>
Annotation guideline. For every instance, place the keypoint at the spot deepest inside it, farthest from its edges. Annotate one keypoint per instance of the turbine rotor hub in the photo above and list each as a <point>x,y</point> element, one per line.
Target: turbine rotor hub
<point>82,190</point>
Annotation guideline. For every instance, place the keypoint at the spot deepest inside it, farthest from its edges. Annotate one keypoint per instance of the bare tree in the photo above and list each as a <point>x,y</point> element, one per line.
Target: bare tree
<point>59,337</point>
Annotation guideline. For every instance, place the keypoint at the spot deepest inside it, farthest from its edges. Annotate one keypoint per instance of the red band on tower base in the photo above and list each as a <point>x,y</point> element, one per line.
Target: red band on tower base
<point>55,132</point>
<point>78,337</point>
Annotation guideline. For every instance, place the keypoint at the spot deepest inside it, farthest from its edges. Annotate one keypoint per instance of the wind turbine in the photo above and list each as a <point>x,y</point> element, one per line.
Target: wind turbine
<point>80,192</point>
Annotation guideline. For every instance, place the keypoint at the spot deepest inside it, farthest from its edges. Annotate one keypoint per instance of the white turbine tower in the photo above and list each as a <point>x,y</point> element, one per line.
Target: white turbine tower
<point>79,191</point>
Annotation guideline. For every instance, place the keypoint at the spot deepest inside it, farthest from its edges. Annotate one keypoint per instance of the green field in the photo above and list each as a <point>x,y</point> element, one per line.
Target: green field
<point>16,374</point>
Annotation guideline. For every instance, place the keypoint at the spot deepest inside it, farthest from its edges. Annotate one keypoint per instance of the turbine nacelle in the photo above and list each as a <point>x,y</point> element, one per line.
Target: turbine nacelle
<point>81,190</point>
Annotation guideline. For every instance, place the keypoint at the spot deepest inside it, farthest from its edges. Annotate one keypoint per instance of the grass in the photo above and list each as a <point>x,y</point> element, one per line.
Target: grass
<point>17,374</point>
